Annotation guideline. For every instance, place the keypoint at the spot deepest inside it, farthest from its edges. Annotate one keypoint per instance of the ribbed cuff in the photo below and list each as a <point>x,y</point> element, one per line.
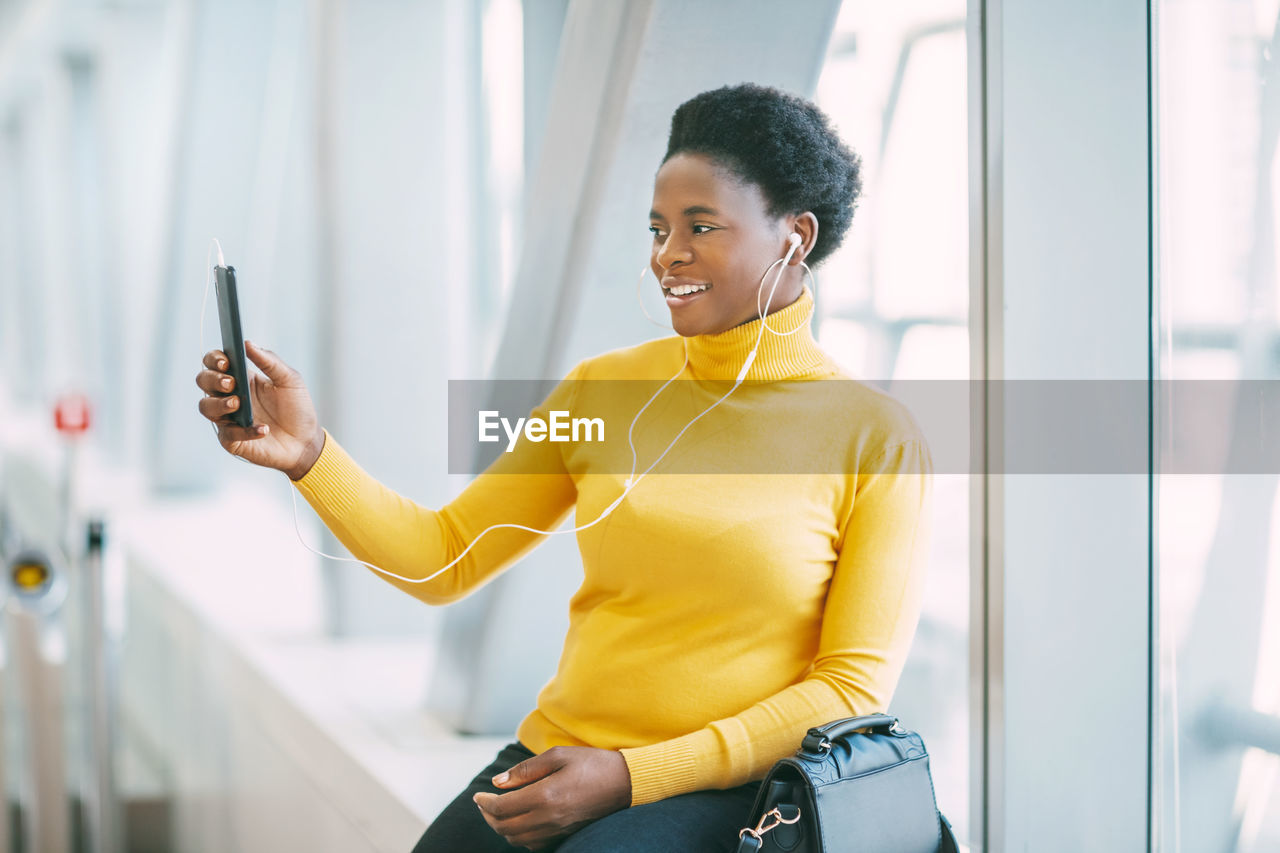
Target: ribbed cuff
<point>662,770</point>
<point>333,481</point>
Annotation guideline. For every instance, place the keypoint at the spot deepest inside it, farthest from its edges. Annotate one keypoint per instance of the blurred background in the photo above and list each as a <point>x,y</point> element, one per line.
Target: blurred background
<point>414,192</point>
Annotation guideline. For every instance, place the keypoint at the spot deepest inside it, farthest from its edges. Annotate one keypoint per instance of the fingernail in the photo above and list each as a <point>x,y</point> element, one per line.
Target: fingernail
<point>226,383</point>
<point>222,364</point>
<point>233,403</point>
<point>501,778</point>
<point>263,429</point>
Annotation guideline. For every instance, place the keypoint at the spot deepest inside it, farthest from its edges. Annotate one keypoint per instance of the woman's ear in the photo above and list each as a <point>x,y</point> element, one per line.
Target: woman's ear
<point>806,225</point>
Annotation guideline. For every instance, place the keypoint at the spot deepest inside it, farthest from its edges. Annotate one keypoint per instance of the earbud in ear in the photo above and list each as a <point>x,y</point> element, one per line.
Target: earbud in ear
<point>794,239</point>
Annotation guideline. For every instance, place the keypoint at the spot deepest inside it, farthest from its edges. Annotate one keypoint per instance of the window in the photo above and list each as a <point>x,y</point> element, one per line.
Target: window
<point>893,306</point>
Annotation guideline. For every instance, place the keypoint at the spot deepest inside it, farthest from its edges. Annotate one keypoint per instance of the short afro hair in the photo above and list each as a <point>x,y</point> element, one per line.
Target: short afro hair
<point>781,143</point>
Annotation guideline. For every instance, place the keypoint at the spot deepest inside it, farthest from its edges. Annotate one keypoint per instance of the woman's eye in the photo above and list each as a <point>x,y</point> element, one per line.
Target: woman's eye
<point>703,229</point>
<point>656,232</point>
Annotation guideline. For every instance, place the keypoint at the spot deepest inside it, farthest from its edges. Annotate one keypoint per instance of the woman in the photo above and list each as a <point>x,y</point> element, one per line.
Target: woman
<point>720,616</point>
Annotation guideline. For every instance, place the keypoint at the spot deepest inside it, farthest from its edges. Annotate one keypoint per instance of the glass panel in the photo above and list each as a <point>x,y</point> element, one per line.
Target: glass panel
<point>1217,703</point>
<point>503,132</point>
<point>894,305</point>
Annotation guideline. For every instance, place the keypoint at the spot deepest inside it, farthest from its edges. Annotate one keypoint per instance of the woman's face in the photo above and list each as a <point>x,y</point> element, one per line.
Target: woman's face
<point>712,230</point>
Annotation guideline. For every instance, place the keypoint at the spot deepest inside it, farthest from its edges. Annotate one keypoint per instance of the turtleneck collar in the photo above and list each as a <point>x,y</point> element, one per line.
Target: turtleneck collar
<point>720,356</point>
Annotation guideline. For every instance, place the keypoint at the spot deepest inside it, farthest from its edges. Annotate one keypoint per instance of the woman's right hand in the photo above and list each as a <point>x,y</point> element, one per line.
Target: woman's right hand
<point>286,433</point>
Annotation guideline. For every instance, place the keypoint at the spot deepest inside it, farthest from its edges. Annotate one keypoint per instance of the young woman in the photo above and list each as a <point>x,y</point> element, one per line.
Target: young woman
<point>720,615</point>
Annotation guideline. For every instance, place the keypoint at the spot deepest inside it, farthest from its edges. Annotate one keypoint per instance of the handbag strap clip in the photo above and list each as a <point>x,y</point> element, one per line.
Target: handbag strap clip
<point>764,826</point>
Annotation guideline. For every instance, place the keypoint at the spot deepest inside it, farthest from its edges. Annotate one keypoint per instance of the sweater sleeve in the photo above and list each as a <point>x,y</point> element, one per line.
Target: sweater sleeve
<point>869,619</point>
<point>387,530</point>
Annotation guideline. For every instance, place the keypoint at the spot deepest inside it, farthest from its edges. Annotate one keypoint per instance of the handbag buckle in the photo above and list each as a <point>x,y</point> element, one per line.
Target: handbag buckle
<point>762,827</point>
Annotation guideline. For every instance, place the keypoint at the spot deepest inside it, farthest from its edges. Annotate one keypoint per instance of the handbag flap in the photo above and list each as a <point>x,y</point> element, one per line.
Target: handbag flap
<point>888,809</point>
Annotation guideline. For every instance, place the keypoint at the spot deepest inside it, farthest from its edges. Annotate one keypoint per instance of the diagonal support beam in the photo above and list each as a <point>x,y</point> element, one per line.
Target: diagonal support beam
<point>622,70</point>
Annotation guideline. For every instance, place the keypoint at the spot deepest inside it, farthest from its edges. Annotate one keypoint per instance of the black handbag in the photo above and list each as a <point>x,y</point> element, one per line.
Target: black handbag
<point>849,790</point>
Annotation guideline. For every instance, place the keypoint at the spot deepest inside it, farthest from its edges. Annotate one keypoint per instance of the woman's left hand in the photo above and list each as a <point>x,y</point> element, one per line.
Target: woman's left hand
<point>556,793</point>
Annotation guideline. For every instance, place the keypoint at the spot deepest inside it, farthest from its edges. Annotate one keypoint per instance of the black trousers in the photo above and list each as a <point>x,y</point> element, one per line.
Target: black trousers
<point>700,822</point>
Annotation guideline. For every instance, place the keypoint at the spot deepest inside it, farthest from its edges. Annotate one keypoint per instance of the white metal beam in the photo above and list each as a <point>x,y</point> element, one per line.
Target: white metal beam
<point>1067,297</point>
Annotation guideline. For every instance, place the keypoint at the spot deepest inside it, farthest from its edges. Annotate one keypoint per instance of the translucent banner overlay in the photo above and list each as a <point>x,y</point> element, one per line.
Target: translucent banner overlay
<point>836,426</point>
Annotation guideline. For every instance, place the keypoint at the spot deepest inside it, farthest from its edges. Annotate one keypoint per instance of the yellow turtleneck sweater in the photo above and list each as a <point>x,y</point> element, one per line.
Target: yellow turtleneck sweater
<point>723,610</point>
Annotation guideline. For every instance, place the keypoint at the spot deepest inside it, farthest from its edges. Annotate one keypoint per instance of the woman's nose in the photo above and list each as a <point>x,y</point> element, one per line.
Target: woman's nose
<point>673,250</point>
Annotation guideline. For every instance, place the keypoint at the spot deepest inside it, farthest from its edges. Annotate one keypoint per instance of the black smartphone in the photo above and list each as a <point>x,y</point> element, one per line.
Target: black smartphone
<point>233,342</point>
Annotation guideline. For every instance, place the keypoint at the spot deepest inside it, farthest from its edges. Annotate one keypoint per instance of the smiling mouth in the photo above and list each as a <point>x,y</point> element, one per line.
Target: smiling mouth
<point>685,289</point>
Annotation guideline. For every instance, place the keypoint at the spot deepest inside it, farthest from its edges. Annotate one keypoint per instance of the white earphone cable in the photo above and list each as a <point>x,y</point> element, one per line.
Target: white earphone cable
<point>632,480</point>
<point>772,330</point>
<point>640,299</point>
<point>630,484</point>
<point>208,282</point>
<point>204,301</point>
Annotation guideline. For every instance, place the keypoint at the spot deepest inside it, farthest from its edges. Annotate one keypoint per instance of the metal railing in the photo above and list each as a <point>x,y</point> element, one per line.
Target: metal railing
<point>38,590</point>
<point>68,797</point>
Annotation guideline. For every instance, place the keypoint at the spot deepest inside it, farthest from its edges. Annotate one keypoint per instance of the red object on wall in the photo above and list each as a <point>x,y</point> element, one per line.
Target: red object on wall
<point>71,414</point>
